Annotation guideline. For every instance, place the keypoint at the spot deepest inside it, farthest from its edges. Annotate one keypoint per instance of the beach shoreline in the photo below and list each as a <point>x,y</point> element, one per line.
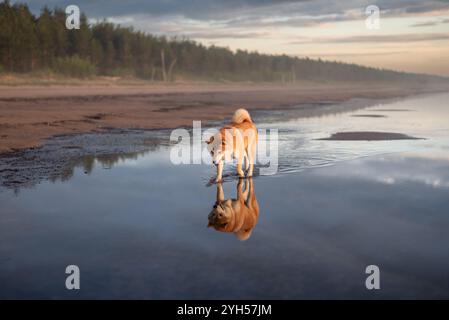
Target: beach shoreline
<point>59,155</point>
<point>31,114</point>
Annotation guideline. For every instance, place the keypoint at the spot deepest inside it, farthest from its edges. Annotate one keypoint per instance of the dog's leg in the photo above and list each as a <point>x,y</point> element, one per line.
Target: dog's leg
<point>251,189</point>
<point>252,158</point>
<point>220,193</point>
<point>251,196</point>
<point>246,191</point>
<point>246,160</point>
<point>239,165</point>
<point>219,172</point>
<point>239,190</point>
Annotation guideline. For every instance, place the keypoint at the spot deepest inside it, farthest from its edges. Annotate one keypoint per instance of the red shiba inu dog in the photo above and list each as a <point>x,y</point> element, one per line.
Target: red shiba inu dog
<point>238,216</point>
<point>237,140</point>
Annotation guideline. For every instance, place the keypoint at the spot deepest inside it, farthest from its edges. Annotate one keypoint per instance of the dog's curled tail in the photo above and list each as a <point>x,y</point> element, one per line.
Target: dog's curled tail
<point>240,116</point>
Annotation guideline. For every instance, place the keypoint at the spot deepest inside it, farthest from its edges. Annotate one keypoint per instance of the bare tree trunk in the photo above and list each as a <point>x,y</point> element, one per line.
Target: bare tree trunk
<point>164,74</point>
<point>153,71</point>
<point>10,63</point>
<point>170,69</point>
<point>33,62</point>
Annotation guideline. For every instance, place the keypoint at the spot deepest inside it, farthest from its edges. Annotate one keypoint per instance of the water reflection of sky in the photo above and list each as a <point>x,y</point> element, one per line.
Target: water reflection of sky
<point>424,117</point>
<point>137,226</point>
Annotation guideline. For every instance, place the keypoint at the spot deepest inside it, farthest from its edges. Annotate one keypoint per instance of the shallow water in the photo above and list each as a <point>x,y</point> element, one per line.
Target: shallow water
<point>299,148</point>
<point>137,225</point>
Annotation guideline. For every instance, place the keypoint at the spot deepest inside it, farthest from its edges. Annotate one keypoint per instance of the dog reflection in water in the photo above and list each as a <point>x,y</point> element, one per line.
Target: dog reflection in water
<point>236,215</point>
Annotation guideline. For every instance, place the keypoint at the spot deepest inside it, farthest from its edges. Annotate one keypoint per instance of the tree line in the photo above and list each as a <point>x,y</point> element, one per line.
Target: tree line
<point>30,43</point>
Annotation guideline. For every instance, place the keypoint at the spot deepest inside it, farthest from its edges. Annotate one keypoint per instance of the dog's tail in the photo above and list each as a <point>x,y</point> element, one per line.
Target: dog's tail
<point>240,116</point>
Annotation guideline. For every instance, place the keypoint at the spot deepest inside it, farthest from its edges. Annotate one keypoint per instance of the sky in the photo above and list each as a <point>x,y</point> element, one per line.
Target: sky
<point>413,35</point>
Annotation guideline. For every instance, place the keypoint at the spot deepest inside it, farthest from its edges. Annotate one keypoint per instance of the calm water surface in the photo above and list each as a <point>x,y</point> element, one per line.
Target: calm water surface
<point>137,225</point>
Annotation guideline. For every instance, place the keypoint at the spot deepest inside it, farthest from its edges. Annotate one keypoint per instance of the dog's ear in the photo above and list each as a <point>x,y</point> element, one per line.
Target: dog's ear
<point>210,140</point>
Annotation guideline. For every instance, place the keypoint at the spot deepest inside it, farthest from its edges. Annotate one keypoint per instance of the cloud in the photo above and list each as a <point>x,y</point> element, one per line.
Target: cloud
<point>430,23</point>
<point>403,169</point>
<point>413,37</point>
<point>352,54</point>
<point>197,9</point>
<point>226,35</point>
<point>427,6</point>
<point>250,9</point>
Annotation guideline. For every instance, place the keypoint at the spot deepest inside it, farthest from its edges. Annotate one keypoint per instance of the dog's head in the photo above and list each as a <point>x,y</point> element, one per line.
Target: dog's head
<point>218,148</point>
<point>221,215</point>
<point>222,218</point>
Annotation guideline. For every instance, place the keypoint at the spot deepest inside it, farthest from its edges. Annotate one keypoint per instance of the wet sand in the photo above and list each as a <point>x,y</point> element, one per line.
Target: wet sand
<point>369,136</point>
<point>392,110</point>
<point>30,114</point>
<point>369,116</point>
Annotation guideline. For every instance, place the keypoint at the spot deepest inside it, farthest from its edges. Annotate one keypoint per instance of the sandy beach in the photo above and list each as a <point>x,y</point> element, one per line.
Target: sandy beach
<point>30,114</point>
